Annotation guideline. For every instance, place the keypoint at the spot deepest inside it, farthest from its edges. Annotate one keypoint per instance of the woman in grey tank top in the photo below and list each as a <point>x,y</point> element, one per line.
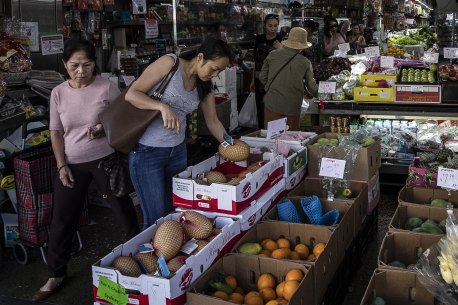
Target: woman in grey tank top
<point>160,153</point>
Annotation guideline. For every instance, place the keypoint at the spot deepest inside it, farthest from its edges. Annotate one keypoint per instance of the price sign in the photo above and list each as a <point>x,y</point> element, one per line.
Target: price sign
<point>431,57</point>
<point>372,51</point>
<point>386,61</point>
<point>344,47</point>
<point>450,52</point>
<point>276,128</point>
<point>327,87</point>
<point>189,246</point>
<point>333,168</point>
<point>338,53</point>
<point>447,178</point>
<point>111,291</point>
<point>410,21</point>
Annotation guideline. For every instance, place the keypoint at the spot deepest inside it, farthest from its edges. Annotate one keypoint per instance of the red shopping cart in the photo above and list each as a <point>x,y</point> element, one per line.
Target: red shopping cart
<point>34,172</point>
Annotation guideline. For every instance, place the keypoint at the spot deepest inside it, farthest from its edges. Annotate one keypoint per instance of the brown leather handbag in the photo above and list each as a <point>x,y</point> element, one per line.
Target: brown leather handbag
<point>124,123</point>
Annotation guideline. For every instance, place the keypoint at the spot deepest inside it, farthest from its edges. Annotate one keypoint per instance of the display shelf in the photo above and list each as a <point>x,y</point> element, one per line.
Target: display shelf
<point>398,110</point>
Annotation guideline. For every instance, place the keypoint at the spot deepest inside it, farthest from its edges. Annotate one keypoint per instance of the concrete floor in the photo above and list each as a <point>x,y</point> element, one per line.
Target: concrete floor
<point>19,282</point>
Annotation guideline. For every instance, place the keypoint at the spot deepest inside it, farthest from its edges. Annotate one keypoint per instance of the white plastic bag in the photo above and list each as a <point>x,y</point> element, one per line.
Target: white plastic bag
<point>248,116</point>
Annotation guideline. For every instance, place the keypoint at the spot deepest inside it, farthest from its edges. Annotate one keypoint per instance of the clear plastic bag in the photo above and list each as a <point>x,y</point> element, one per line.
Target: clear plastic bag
<point>248,116</point>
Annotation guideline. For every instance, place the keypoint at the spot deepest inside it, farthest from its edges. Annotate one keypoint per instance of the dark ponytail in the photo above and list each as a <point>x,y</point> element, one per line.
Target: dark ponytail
<point>212,49</point>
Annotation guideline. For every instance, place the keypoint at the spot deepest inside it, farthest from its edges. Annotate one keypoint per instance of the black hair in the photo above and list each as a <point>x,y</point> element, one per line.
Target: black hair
<point>354,24</point>
<point>327,29</point>
<point>212,49</point>
<point>271,16</point>
<point>312,25</point>
<point>79,44</point>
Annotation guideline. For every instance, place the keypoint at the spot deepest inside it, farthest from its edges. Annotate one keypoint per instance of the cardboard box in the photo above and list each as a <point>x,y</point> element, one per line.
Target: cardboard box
<point>424,196</point>
<point>224,198</point>
<point>292,181</point>
<point>373,189</point>
<point>364,168</point>
<point>259,136</point>
<point>10,228</point>
<point>258,208</point>
<point>154,290</point>
<point>373,80</point>
<point>367,94</point>
<point>404,247</point>
<point>418,93</point>
<point>247,269</point>
<point>345,228</point>
<point>324,266</point>
<point>404,212</point>
<point>313,186</point>
<point>396,287</point>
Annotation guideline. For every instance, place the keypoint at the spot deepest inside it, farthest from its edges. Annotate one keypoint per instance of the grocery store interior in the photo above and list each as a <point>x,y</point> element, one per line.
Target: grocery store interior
<point>354,207</point>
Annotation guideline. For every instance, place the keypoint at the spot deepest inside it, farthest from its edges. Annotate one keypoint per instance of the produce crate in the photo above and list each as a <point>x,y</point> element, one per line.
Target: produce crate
<point>247,269</point>
<point>362,94</point>
<point>373,80</point>
<point>397,287</point>
<point>368,231</point>
<point>449,92</point>
<point>404,212</point>
<point>424,196</point>
<point>404,68</point>
<point>404,247</point>
<point>417,93</point>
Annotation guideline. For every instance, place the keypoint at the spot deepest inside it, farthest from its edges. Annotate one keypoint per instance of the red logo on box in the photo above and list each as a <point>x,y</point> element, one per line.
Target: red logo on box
<point>293,181</point>
<point>246,190</point>
<point>186,279</point>
<point>252,220</point>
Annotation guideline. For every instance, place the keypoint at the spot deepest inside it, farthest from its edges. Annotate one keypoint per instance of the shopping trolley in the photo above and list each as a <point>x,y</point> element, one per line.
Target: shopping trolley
<point>34,173</point>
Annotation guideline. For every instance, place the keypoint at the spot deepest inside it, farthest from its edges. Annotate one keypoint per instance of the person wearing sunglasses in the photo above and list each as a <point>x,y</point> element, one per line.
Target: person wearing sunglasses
<point>263,45</point>
<point>333,35</point>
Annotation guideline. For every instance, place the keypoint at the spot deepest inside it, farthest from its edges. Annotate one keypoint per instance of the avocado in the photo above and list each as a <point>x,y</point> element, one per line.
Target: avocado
<point>413,222</point>
<point>378,301</point>
<point>418,230</point>
<point>431,227</point>
<point>442,225</point>
<point>439,203</point>
<point>323,141</point>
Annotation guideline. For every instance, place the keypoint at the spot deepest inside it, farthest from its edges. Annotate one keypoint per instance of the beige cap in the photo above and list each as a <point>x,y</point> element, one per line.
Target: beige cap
<point>297,39</point>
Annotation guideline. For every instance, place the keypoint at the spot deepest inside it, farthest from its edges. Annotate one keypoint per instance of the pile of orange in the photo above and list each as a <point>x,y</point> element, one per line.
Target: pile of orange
<point>269,292</point>
<point>282,249</point>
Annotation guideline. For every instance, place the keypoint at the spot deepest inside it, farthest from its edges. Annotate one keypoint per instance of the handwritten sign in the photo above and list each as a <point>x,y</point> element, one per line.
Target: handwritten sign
<point>276,128</point>
<point>151,28</point>
<point>431,57</point>
<point>111,291</point>
<point>372,51</point>
<point>333,168</point>
<point>450,52</point>
<point>327,87</point>
<point>447,178</point>
<point>344,47</point>
<point>338,53</point>
<point>386,61</point>
<point>410,21</point>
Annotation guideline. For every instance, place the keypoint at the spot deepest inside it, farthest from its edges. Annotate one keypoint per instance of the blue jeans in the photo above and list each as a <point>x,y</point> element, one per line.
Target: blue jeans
<point>152,170</point>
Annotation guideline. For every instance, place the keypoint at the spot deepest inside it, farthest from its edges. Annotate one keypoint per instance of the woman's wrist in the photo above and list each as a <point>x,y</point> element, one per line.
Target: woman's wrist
<point>61,167</point>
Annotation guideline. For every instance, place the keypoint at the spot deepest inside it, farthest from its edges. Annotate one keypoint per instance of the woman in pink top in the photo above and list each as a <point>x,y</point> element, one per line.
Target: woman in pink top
<point>79,146</point>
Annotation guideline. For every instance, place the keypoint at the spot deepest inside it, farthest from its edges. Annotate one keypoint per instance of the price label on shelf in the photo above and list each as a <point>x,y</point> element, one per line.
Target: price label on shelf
<point>410,21</point>
<point>450,52</point>
<point>333,168</point>
<point>431,57</point>
<point>372,51</point>
<point>327,87</point>
<point>344,47</point>
<point>447,178</point>
<point>386,61</point>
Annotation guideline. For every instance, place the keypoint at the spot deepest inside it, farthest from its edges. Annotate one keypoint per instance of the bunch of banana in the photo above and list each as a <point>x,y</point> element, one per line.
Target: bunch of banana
<point>448,261</point>
<point>7,183</point>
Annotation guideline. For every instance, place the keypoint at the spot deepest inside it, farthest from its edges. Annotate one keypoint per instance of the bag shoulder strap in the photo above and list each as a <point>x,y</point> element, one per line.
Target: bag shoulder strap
<point>158,93</point>
<point>279,70</point>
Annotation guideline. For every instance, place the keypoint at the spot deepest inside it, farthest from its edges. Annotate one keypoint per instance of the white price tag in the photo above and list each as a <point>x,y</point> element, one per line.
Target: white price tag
<point>327,87</point>
<point>338,53</point>
<point>333,168</point>
<point>276,128</point>
<point>450,52</point>
<point>410,21</point>
<point>189,246</point>
<point>128,79</point>
<point>447,178</point>
<point>344,47</point>
<point>372,51</point>
<point>386,61</point>
<point>431,57</point>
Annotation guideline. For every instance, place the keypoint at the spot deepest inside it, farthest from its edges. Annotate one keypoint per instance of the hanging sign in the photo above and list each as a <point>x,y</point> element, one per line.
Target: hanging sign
<point>344,47</point>
<point>151,28</point>
<point>450,52</point>
<point>52,44</point>
<point>386,61</point>
<point>447,178</point>
<point>431,57</point>
<point>327,87</point>
<point>333,168</point>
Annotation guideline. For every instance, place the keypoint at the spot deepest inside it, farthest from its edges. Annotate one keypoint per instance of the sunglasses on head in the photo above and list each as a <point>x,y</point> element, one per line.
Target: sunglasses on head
<point>271,16</point>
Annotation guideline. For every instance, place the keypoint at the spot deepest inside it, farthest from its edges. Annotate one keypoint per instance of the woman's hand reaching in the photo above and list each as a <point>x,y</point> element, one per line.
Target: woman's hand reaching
<point>170,118</point>
<point>65,176</point>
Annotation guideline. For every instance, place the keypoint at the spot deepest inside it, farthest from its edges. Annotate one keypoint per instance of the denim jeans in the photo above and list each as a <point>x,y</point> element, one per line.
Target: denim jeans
<point>152,170</point>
